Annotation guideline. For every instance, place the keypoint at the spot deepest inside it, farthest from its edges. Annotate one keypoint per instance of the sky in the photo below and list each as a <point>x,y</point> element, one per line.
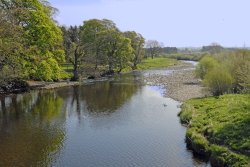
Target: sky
<point>180,23</point>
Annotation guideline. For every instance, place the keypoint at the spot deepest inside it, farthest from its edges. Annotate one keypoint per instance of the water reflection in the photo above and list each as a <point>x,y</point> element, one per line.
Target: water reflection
<point>107,96</point>
<point>31,129</point>
<point>118,122</point>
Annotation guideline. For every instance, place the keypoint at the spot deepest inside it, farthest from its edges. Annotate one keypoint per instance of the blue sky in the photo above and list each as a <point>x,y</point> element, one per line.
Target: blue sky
<point>178,23</point>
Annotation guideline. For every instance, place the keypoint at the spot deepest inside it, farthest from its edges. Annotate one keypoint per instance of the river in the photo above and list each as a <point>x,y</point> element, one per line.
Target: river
<point>119,122</point>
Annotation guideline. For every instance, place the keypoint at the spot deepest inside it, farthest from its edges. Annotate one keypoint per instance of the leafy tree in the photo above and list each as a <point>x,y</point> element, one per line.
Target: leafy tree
<point>117,49</point>
<point>105,46</point>
<point>37,37</point>
<point>137,43</point>
<point>11,45</point>
<point>123,54</point>
<point>92,37</point>
<point>73,48</point>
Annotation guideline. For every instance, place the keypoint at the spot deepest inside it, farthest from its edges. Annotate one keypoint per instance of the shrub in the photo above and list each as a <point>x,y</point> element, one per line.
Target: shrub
<point>219,81</point>
<point>206,64</point>
<point>48,70</point>
<point>243,77</point>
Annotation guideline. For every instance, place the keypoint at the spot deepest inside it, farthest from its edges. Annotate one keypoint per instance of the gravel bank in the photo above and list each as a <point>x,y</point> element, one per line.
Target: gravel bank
<point>181,84</point>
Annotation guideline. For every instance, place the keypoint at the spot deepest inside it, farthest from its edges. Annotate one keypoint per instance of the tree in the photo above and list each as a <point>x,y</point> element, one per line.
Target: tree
<point>117,48</point>
<point>153,47</point>
<point>105,45</point>
<point>38,40</point>
<point>90,37</point>
<point>11,45</point>
<point>137,43</point>
<point>73,48</point>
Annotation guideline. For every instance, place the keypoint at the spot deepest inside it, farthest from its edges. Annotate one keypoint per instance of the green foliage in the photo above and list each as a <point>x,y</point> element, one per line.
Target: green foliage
<point>226,72</point>
<point>49,71</point>
<point>238,64</point>
<point>73,48</point>
<point>32,39</point>
<point>206,64</point>
<point>137,43</point>
<point>221,125</point>
<point>105,47</point>
<point>219,81</point>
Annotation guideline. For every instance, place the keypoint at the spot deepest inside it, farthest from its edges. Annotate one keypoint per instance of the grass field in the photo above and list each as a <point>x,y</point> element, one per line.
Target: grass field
<point>158,62</point>
<point>149,63</point>
<point>220,126</point>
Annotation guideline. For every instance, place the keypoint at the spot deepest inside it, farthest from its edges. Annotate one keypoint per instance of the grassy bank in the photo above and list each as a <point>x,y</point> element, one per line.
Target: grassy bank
<point>158,62</point>
<point>219,128</point>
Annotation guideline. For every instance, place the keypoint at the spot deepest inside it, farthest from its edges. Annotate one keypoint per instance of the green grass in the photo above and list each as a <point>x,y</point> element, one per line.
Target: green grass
<point>158,62</point>
<point>221,125</point>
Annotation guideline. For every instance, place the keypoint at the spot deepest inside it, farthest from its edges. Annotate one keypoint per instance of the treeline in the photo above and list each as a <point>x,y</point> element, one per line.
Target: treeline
<point>226,72</point>
<point>98,47</point>
<point>32,45</point>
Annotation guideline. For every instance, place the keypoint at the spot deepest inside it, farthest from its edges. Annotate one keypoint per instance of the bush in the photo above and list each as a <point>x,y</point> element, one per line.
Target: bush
<point>206,64</point>
<point>48,70</point>
<point>243,77</point>
<point>219,81</point>
<point>226,72</point>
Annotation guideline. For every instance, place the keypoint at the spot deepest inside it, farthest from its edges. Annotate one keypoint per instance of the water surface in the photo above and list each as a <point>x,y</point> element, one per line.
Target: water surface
<point>120,122</point>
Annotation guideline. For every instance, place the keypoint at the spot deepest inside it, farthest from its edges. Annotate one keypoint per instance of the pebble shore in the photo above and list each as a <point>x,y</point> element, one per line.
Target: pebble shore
<point>181,84</point>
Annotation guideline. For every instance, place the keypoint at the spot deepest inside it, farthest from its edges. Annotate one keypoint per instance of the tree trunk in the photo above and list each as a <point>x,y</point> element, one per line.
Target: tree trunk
<point>75,71</point>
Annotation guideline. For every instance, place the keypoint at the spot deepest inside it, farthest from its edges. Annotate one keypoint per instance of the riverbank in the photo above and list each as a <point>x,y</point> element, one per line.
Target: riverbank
<point>180,84</point>
<point>50,85</point>
<point>20,86</point>
<point>219,129</point>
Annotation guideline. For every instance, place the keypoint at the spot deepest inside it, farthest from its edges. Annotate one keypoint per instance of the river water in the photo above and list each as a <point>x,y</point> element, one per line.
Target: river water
<point>120,122</point>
